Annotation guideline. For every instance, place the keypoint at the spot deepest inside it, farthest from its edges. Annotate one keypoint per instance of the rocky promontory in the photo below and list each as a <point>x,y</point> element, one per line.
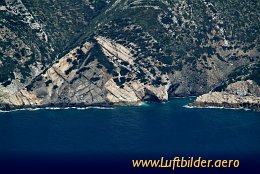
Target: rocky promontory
<point>240,95</point>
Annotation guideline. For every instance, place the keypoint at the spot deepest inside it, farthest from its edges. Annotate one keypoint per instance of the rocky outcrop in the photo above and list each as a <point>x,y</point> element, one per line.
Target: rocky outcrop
<point>140,79</point>
<point>82,78</point>
<point>242,94</point>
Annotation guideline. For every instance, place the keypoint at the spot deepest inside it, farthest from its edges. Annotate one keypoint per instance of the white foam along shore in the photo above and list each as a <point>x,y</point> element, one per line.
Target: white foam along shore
<point>141,104</point>
<point>57,108</point>
<point>214,107</point>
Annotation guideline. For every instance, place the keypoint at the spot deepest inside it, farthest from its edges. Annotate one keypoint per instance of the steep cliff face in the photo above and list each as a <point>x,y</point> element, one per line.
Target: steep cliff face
<point>242,94</point>
<point>88,52</point>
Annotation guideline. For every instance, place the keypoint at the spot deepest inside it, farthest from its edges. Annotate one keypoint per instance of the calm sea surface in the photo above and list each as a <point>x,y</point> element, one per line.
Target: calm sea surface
<point>156,130</point>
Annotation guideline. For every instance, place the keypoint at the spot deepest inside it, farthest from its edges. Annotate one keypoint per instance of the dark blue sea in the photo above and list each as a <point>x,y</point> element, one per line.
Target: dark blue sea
<point>98,140</point>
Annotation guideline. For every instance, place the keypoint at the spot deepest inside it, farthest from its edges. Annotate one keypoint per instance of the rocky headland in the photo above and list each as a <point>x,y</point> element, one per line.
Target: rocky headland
<point>238,95</point>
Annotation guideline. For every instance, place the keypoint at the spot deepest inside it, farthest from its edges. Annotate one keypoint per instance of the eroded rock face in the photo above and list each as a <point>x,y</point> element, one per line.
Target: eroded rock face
<point>79,79</point>
<point>242,94</point>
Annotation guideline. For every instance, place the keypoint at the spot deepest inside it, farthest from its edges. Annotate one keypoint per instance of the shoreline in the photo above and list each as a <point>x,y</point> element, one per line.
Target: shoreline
<point>8,109</point>
<point>56,108</point>
<point>80,106</point>
<point>113,105</point>
<point>215,107</point>
<point>229,106</point>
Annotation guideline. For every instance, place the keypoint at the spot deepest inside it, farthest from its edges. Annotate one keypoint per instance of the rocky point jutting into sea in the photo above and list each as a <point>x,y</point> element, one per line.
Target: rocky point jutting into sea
<point>242,94</point>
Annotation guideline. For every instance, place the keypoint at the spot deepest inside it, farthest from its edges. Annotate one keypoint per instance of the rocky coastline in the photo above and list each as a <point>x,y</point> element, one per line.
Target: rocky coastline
<point>105,53</point>
<point>238,95</point>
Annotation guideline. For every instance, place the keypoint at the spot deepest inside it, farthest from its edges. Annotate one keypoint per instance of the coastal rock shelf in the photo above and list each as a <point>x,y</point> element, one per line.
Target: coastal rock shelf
<point>242,94</point>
